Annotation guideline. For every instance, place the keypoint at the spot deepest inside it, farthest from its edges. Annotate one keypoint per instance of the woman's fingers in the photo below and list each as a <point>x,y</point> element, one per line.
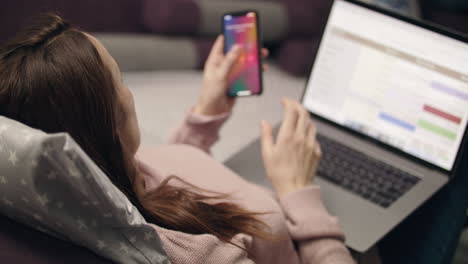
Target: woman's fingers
<point>303,122</point>
<point>229,60</point>
<point>318,150</point>
<point>217,51</point>
<point>312,136</point>
<point>267,141</point>
<point>289,123</point>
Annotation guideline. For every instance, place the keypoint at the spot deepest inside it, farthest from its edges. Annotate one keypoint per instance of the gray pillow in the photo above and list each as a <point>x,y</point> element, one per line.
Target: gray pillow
<point>203,17</point>
<point>146,52</point>
<point>49,183</point>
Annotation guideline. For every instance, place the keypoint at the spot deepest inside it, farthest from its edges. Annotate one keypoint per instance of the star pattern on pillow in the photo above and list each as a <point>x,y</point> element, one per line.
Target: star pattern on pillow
<point>33,163</point>
<point>27,135</point>
<point>3,180</point>
<point>81,224</point>
<point>12,158</point>
<point>42,199</point>
<point>46,201</point>
<point>101,244</point>
<point>4,128</point>
<point>148,236</point>
<point>124,248</point>
<point>25,199</point>
<point>7,202</point>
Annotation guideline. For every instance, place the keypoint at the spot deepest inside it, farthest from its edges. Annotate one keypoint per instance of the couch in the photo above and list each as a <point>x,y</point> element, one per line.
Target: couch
<point>20,244</point>
<point>291,27</point>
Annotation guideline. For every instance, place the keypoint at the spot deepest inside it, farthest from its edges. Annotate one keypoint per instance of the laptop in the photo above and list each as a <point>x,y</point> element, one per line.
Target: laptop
<point>389,97</point>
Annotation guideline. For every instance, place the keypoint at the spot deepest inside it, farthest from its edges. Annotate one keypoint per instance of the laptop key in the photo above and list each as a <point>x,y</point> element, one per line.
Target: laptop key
<point>363,175</point>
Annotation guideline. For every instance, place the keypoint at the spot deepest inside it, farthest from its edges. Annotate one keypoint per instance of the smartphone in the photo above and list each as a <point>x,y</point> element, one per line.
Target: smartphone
<point>242,28</point>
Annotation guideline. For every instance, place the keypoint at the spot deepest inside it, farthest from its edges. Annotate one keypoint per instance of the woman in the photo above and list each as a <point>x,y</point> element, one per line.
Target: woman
<point>57,78</point>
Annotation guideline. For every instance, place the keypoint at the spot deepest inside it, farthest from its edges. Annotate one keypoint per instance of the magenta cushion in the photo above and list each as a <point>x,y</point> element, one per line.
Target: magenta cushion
<point>174,16</point>
<point>90,15</point>
<point>297,55</point>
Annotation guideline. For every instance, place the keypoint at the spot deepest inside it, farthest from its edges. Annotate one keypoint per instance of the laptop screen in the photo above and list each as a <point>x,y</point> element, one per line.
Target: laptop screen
<point>399,83</point>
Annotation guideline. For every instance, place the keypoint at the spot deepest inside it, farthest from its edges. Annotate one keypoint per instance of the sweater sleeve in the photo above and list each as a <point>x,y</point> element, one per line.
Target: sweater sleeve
<point>200,131</point>
<point>317,233</point>
<point>204,248</point>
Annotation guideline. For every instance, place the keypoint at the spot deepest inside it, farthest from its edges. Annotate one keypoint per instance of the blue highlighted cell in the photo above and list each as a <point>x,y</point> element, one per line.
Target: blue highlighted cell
<point>396,121</point>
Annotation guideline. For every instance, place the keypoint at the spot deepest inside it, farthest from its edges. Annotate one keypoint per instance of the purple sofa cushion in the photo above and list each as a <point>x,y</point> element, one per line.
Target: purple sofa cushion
<point>21,244</point>
<point>90,15</point>
<point>174,16</point>
<point>296,56</point>
<point>296,18</point>
<point>306,16</point>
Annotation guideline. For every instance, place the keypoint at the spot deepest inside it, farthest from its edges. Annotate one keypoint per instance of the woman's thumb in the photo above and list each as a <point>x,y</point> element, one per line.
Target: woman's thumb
<point>230,60</point>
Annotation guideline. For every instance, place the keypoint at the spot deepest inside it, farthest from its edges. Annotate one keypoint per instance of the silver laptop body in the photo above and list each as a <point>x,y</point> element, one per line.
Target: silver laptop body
<point>393,89</point>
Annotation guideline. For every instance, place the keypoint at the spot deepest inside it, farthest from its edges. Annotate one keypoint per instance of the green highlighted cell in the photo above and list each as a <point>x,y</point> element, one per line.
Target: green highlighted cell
<point>437,129</point>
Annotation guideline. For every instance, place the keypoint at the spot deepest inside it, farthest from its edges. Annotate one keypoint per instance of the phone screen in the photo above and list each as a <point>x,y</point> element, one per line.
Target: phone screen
<point>245,78</point>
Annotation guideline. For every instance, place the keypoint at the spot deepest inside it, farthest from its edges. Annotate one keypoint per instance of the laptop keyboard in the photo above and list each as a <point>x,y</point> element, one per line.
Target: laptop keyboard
<point>359,173</point>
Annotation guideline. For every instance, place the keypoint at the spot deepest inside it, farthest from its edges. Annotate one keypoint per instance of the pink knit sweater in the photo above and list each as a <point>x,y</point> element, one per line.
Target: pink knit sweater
<point>299,216</point>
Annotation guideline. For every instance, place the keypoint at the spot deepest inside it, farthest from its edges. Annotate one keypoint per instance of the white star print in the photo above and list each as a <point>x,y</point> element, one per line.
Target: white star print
<point>81,224</point>
<point>37,217</point>
<point>148,236</point>
<point>124,248</point>
<point>133,239</point>
<point>42,199</point>
<point>23,181</point>
<point>74,155</point>
<point>52,175</point>
<point>27,138</point>
<point>24,199</point>
<point>101,244</point>
<point>73,172</point>
<point>3,128</point>
<point>13,159</point>
<point>7,202</point>
<point>46,152</point>
<point>41,229</point>
<point>3,180</point>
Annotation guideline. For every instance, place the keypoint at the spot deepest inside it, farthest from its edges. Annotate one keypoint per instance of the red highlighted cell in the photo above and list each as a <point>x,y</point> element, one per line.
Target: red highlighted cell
<point>455,119</point>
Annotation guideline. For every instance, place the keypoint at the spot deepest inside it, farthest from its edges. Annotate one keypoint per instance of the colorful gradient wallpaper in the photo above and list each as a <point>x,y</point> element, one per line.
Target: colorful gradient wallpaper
<point>245,76</point>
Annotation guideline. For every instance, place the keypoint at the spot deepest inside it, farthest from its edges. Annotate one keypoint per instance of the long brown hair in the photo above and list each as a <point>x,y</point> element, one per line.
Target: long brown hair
<point>53,78</point>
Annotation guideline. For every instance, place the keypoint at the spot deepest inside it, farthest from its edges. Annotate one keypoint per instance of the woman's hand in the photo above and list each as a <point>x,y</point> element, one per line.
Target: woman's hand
<point>213,99</point>
<point>291,163</point>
